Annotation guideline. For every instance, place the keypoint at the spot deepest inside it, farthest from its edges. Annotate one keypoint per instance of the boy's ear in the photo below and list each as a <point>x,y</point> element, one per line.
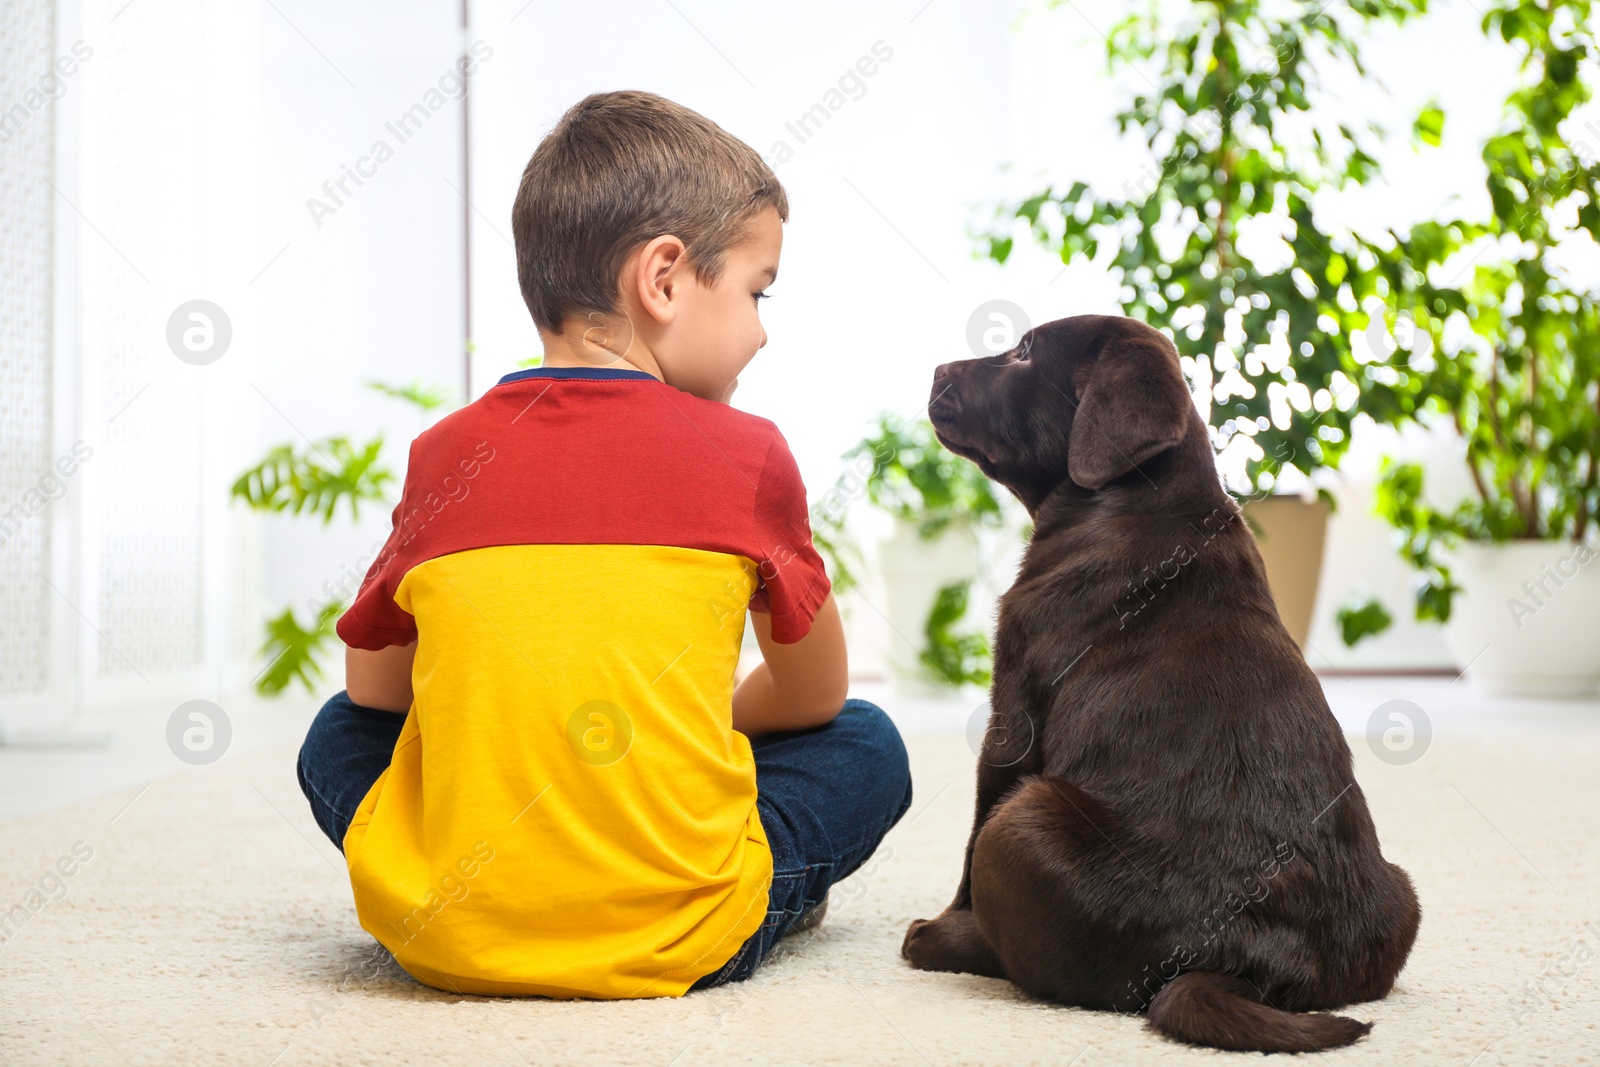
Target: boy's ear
<point>655,275</point>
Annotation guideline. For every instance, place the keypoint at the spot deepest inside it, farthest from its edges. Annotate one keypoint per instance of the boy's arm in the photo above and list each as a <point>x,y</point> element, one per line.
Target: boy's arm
<point>380,679</point>
<point>797,685</point>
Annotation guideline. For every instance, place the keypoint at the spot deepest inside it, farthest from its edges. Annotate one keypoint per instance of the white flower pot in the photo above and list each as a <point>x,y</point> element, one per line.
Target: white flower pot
<point>1527,621</point>
<point>914,570</point>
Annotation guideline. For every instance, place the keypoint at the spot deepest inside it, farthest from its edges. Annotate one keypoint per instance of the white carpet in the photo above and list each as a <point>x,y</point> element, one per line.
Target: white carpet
<point>213,924</point>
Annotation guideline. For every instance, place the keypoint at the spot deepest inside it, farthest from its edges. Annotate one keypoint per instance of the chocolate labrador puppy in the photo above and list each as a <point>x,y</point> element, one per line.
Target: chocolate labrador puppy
<point>1167,821</point>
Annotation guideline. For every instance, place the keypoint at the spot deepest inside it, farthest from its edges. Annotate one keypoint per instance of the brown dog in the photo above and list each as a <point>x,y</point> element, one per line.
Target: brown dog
<point>1167,821</point>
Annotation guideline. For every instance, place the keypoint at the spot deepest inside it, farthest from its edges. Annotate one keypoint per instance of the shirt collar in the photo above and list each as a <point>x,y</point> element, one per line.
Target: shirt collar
<point>600,373</point>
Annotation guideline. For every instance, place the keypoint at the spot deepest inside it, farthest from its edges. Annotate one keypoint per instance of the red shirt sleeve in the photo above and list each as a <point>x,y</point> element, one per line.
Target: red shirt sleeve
<point>793,581</point>
<point>373,620</point>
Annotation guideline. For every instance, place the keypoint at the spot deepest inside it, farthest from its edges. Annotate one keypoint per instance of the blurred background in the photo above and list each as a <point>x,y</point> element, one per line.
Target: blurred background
<point>250,249</point>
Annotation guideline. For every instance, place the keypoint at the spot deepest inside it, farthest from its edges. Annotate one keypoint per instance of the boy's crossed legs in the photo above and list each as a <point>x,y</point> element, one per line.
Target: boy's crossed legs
<point>827,796</point>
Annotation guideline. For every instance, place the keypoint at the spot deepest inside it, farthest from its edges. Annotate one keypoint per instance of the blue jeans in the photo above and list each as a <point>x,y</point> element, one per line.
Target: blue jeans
<point>826,797</point>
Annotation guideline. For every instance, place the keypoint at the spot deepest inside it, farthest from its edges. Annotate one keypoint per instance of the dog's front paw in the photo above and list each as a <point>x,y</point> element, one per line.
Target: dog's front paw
<point>952,942</point>
<point>917,927</point>
<point>928,941</point>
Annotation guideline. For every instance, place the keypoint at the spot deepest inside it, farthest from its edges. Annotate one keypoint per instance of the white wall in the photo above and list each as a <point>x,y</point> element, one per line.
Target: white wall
<point>373,290</point>
<point>878,277</point>
<point>876,280</point>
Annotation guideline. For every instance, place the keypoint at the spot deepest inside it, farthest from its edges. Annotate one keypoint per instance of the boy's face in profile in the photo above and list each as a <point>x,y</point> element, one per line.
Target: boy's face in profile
<point>716,329</point>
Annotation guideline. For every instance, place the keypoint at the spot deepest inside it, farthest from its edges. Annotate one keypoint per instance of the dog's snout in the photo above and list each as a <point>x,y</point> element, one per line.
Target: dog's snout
<point>941,372</point>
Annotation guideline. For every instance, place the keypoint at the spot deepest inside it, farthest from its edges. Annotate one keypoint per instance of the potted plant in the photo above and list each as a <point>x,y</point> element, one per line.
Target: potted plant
<point>1503,350</point>
<point>1216,243</point>
<point>940,504</point>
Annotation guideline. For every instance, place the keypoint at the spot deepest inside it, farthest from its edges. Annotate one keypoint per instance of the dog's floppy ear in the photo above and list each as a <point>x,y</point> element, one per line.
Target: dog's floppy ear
<point>1132,404</point>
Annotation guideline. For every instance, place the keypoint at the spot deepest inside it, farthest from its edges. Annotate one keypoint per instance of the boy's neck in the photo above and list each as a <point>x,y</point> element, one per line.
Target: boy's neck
<point>581,345</point>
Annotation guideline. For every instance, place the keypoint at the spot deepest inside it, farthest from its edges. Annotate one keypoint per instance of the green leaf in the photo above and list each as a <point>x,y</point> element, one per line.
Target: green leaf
<point>1435,596</point>
<point>292,651</point>
<point>1360,617</point>
<point>315,478</point>
<point>425,397</point>
<point>954,658</point>
<point>1429,125</point>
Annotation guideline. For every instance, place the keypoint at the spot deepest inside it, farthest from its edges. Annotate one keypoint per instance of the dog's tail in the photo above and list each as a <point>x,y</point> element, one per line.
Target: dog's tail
<point>1221,1011</point>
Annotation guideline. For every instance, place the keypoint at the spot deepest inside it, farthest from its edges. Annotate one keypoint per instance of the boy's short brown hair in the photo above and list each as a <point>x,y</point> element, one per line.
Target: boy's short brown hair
<point>619,169</point>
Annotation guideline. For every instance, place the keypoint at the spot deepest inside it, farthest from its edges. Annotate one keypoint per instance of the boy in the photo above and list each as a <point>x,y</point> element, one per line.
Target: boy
<point>541,773</point>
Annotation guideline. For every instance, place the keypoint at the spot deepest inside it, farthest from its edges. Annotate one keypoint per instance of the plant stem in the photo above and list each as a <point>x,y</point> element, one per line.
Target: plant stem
<point>1472,462</point>
<point>1533,467</point>
<point>1514,485</point>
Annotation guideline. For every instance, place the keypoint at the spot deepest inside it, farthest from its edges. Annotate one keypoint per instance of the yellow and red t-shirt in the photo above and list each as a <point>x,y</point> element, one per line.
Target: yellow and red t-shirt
<point>569,811</point>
